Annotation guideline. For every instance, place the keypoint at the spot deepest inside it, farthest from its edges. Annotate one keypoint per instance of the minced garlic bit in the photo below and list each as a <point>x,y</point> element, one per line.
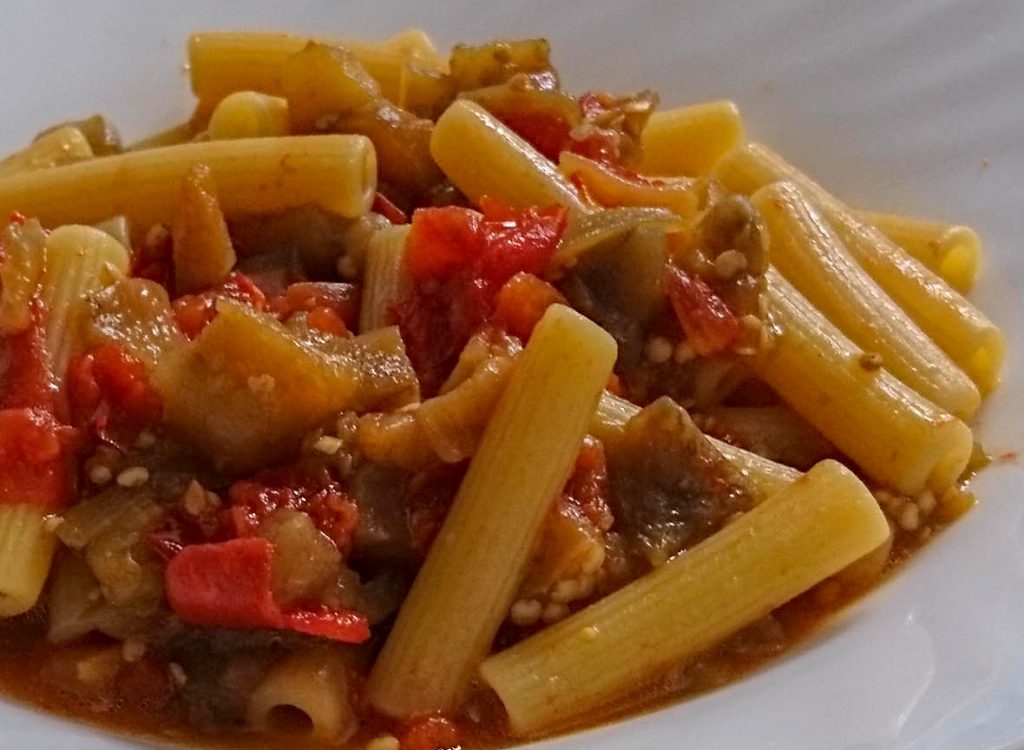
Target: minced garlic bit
<point>157,235</point>
<point>565,591</point>
<point>683,353</point>
<point>177,674</point>
<point>328,445</point>
<point>197,500</point>
<point>385,742</point>
<point>730,263</point>
<point>926,501</point>
<point>132,650</point>
<point>52,523</point>
<point>100,475</point>
<point>133,476</point>
<point>146,439</point>
<point>554,611</point>
<point>658,350</point>
<point>870,361</point>
<point>910,517</point>
<point>525,612</point>
<point>751,322</point>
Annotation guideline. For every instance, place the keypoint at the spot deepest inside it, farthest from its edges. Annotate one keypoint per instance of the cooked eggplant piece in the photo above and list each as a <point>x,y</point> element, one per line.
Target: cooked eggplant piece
<point>136,314</point>
<point>670,487</point>
<point>328,90</point>
<point>247,389</point>
<point>202,251</point>
<point>492,64</point>
<point>617,284</point>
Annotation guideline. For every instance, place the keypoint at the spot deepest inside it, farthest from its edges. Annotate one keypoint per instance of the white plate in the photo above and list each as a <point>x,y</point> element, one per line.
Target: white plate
<point>914,106</point>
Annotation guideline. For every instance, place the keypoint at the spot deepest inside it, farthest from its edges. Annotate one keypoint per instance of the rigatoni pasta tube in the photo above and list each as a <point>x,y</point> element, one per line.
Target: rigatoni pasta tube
<point>253,175</point>
<point>475,566</point>
<point>895,435</point>
<point>953,251</point>
<point>957,326</point>
<point>482,156</point>
<point>689,141</point>
<point>787,544</point>
<point>386,279</point>
<point>26,551</point>
<point>313,682</point>
<point>766,477</point>
<point>249,114</point>
<point>814,260</point>
<point>80,260</point>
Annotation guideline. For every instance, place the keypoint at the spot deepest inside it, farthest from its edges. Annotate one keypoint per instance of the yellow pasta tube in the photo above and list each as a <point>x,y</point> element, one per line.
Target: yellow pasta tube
<point>474,568</point>
<point>896,436</point>
<point>764,476</point>
<point>61,146</point>
<point>813,259</point>
<point>959,328</point>
<point>80,260</point>
<point>784,546</point>
<point>249,114</point>
<point>482,156</point>
<point>688,141</point>
<point>254,175</point>
<point>386,279</point>
<point>306,692</point>
<point>26,552</point>
<point>953,251</point>
<point>222,62</point>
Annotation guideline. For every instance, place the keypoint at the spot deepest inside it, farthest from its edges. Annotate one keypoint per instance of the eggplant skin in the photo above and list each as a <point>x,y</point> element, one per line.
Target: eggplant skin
<point>670,487</point>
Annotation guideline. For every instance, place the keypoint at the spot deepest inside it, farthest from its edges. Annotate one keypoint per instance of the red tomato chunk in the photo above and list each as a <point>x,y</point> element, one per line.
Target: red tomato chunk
<point>229,585</point>
<point>460,259</point>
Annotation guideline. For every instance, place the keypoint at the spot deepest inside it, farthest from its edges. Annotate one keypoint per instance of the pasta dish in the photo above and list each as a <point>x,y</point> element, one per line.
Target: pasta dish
<point>407,401</point>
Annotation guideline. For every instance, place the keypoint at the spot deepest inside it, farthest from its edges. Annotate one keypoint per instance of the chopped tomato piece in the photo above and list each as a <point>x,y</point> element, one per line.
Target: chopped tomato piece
<point>552,134</point>
<point>253,500</point>
<point>587,488</point>
<point>338,625</point>
<point>229,585</point>
<point>383,205</point>
<point>109,395</point>
<point>326,320</point>
<point>521,303</point>
<point>441,241</point>
<point>709,324</point>
<point>225,584</point>
<point>545,131</point>
<point>460,258</point>
<point>35,459</point>
<point>26,380</point>
<point>430,733</point>
<point>339,298</point>
<point>194,311</point>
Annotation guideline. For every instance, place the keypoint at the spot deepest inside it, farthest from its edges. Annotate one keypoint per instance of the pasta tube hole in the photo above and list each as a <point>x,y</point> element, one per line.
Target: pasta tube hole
<point>290,720</point>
